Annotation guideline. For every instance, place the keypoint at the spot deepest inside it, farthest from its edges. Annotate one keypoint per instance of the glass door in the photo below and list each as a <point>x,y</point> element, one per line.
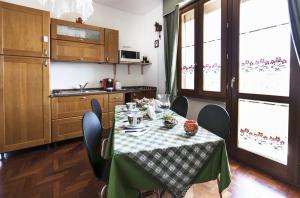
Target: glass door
<point>261,83</point>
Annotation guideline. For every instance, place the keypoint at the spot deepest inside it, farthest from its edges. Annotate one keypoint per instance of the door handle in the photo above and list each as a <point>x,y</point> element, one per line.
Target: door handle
<point>232,82</point>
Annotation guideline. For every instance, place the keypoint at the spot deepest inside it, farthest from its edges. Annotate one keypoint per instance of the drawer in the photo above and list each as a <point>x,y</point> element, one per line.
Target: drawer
<point>111,106</point>
<point>66,128</point>
<point>116,97</point>
<point>73,106</point>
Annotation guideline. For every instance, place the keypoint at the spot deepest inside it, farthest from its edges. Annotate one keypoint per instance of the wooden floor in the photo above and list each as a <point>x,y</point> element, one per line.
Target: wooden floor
<point>65,172</point>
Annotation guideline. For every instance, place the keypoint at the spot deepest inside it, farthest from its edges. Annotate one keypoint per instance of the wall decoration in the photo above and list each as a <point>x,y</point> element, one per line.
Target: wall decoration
<point>156,43</point>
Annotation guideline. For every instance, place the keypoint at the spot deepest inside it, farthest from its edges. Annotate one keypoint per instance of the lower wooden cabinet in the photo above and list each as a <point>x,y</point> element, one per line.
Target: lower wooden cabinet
<point>66,128</point>
<point>24,103</point>
<point>129,97</point>
<point>114,100</point>
<point>67,113</point>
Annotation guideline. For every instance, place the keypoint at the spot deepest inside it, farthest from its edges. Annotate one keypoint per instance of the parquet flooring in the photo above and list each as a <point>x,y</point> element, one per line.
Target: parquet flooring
<point>65,172</point>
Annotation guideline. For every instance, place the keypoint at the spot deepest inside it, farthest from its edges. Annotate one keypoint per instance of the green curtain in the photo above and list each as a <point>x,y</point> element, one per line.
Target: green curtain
<point>294,10</point>
<point>171,22</point>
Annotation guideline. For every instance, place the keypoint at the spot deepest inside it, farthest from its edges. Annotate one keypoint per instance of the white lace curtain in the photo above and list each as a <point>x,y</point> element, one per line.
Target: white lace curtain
<point>76,8</point>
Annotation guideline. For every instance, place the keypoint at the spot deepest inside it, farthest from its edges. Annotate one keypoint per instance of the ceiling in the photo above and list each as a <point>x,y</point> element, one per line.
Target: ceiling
<point>139,7</point>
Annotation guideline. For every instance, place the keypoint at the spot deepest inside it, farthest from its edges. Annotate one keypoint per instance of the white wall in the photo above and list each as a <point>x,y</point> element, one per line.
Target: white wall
<point>135,31</point>
<point>196,104</point>
<point>155,73</point>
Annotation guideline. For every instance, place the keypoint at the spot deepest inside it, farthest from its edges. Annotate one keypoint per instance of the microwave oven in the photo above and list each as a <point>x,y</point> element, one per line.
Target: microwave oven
<point>129,56</point>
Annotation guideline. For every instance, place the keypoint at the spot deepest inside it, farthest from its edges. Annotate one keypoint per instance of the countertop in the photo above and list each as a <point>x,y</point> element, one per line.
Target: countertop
<point>95,91</point>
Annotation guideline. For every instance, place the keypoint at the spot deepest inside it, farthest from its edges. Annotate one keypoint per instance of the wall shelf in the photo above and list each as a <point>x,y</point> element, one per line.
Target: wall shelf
<point>129,64</point>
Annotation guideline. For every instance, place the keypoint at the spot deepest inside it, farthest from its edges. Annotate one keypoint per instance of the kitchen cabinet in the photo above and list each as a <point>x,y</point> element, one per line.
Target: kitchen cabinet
<point>24,31</point>
<point>24,102</point>
<point>76,51</point>
<point>76,42</point>
<point>114,100</point>
<point>70,31</point>
<point>67,115</point>
<point>129,97</point>
<point>111,46</point>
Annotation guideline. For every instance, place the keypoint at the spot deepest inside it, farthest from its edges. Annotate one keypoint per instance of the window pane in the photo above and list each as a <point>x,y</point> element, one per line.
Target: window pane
<point>264,47</point>
<point>188,49</point>
<point>258,135</point>
<point>212,46</point>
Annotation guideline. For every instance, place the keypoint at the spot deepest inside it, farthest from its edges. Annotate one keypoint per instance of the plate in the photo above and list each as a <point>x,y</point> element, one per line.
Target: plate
<point>133,110</point>
<point>140,126</point>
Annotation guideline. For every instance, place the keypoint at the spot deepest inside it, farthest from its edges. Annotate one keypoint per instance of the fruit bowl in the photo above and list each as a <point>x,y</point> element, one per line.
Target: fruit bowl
<point>191,127</point>
<point>170,122</point>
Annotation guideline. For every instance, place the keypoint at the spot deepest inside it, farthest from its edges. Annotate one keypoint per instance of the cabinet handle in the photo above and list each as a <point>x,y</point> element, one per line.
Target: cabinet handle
<point>82,98</point>
<point>107,59</point>
<point>45,52</point>
<point>116,97</point>
<point>46,63</point>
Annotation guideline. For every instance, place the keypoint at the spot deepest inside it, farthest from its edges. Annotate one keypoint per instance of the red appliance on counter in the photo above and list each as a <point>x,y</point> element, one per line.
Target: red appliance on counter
<point>108,84</point>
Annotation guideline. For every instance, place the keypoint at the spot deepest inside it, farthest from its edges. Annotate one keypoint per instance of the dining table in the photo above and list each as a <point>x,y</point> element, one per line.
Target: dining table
<point>160,158</point>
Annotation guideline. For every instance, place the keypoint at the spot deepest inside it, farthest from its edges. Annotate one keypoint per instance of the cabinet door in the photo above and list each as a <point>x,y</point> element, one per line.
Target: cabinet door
<point>66,128</point>
<point>76,51</point>
<point>24,103</point>
<point>111,46</point>
<point>25,31</point>
<point>70,31</point>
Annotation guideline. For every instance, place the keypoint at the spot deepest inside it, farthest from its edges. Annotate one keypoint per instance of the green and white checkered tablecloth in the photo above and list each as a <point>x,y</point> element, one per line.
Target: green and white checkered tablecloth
<point>169,155</point>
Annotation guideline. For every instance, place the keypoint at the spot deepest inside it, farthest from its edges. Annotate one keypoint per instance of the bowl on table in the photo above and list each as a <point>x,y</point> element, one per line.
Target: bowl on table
<point>170,122</point>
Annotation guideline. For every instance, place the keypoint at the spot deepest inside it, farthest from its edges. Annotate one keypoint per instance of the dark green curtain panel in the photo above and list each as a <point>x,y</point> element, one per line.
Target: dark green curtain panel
<point>294,10</point>
<point>171,22</point>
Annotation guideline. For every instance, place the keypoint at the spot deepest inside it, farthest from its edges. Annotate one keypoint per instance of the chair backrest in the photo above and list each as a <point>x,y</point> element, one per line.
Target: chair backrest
<point>180,105</point>
<point>91,127</point>
<point>96,108</point>
<point>215,119</point>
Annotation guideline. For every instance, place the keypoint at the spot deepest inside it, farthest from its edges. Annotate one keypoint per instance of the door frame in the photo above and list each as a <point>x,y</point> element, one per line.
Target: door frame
<point>291,172</point>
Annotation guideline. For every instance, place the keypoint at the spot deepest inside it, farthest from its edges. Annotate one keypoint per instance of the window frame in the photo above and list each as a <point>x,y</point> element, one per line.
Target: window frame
<point>198,91</point>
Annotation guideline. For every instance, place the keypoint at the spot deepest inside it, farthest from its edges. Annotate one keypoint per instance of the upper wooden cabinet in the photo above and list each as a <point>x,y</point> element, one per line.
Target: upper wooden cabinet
<point>24,102</point>
<point>111,46</point>
<point>70,31</point>
<point>24,31</point>
<point>76,42</point>
<point>76,51</point>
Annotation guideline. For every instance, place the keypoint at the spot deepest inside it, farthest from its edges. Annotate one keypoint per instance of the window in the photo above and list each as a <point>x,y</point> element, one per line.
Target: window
<point>201,65</point>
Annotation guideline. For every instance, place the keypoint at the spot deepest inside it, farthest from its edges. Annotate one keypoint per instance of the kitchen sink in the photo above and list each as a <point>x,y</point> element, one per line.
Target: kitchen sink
<point>77,92</point>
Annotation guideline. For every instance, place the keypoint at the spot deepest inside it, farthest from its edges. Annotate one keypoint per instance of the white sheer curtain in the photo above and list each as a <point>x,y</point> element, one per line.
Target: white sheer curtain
<point>75,8</point>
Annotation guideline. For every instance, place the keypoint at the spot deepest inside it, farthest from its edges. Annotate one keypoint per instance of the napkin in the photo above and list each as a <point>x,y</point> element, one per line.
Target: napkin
<point>151,112</point>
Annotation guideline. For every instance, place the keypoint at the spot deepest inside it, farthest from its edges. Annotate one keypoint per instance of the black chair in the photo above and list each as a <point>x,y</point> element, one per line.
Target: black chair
<point>180,105</point>
<point>215,119</point>
<point>96,108</point>
<point>92,131</point>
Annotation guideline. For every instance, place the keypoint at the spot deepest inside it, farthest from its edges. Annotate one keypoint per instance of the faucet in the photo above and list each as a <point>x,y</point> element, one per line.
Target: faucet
<point>82,87</point>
